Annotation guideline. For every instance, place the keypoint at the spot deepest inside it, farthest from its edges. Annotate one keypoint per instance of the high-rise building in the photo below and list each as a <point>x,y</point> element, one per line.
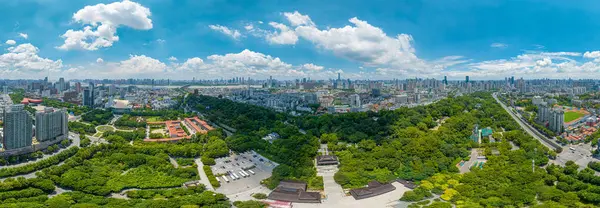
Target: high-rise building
<point>112,89</point>
<point>78,87</point>
<point>5,89</point>
<point>467,79</point>
<point>61,84</point>
<point>88,96</point>
<point>18,127</point>
<point>50,124</point>
<point>355,101</point>
<point>339,76</point>
<point>445,80</point>
<point>556,122</point>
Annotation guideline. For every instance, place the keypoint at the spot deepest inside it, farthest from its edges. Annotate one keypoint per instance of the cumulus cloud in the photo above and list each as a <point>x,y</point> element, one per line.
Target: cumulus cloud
<point>24,35</point>
<point>235,34</point>
<point>172,58</point>
<point>249,27</point>
<point>498,45</point>
<point>535,65</point>
<point>10,42</point>
<point>101,22</point>
<point>24,59</point>
<point>297,19</point>
<point>367,44</point>
<point>99,60</point>
<point>312,67</point>
<point>284,36</point>
<point>592,54</point>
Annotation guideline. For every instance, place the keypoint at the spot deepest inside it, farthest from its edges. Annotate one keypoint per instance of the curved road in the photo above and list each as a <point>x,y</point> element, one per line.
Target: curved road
<point>550,144</point>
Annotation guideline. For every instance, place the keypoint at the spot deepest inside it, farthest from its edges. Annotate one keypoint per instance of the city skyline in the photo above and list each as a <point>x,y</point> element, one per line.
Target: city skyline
<point>145,39</point>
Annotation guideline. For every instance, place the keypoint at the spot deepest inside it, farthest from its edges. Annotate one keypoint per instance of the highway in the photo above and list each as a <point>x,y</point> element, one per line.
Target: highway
<point>546,142</point>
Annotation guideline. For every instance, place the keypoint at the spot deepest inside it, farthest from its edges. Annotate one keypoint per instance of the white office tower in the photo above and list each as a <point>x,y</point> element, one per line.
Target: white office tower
<point>355,101</point>
<point>51,124</point>
<point>18,127</point>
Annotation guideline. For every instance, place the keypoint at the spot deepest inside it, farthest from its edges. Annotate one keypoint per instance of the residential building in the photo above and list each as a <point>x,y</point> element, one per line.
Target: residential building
<point>50,124</point>
<point>18,127</point>
<point>556,121</point>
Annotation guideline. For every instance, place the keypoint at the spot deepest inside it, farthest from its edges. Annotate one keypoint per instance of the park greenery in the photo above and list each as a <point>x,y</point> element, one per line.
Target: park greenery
<point>185,161</point>
<point>38,165</point>
<point>75,109</point>
<point>81,128</point>
<point>98,116</point>
<point>382,146</point>
<point>211,177</point>
<point>129,121</point>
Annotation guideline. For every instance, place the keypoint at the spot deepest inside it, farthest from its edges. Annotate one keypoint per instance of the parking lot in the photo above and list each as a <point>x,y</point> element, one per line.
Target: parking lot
<point>581,154</point>
<point>248,161</point>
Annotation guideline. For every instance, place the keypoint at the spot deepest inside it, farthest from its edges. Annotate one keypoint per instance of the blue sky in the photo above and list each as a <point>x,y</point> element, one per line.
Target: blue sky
<point>293,39</point>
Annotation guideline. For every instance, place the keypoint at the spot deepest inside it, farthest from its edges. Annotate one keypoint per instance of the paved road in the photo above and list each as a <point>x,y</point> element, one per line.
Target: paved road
<point>75,143</point>
<point>203,176</point>
<point>173,162</point>
<point>526,127</point>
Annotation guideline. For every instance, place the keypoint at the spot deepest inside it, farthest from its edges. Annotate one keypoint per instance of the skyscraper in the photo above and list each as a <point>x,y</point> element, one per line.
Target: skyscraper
<point>467,79</point>
<point>5,89</point>
<point>445,80</point>
<point>51,124</point>
<point>88,96</point>
<point>18,127</point>
<point>339,76</point>
<point>61,84</point>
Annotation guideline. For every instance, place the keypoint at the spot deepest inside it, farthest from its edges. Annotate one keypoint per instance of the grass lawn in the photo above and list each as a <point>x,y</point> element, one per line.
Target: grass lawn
<point>570,116</point>
<point>105,128</point>
<point>154,119</point>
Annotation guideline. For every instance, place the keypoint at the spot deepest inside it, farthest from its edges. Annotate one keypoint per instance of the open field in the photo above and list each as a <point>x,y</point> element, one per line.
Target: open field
<point>158,131</point>
<point>105,128</point>
<point>572,115</point>
<point>154,119</point>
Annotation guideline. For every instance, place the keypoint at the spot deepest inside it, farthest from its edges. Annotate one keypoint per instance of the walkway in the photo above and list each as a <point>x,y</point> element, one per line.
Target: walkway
<point>203,177</point>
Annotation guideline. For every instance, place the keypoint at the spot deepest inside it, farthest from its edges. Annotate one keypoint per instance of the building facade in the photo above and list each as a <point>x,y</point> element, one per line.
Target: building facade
<point>18,127</point>
<point>51,124</point>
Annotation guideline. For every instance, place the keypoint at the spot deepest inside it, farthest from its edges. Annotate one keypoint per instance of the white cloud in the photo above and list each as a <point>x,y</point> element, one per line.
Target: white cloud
<point>99,60</point>
<point>592,55</point>
<point>498,45</point>
<point>142,64</point>
<point>367,44</point>
<point>231,33</point>
<point>297,19</point>
<point>312,67</point>
<point>160,41</point>
<point>10,42</point>
<point>24,59</point>
<point>249,27</point>
<point>544,62</point>
<point>284,36</point>
<point>172,58</point>
<point>102,21</point>
<point>24,35</point>
<point>535,65</point>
